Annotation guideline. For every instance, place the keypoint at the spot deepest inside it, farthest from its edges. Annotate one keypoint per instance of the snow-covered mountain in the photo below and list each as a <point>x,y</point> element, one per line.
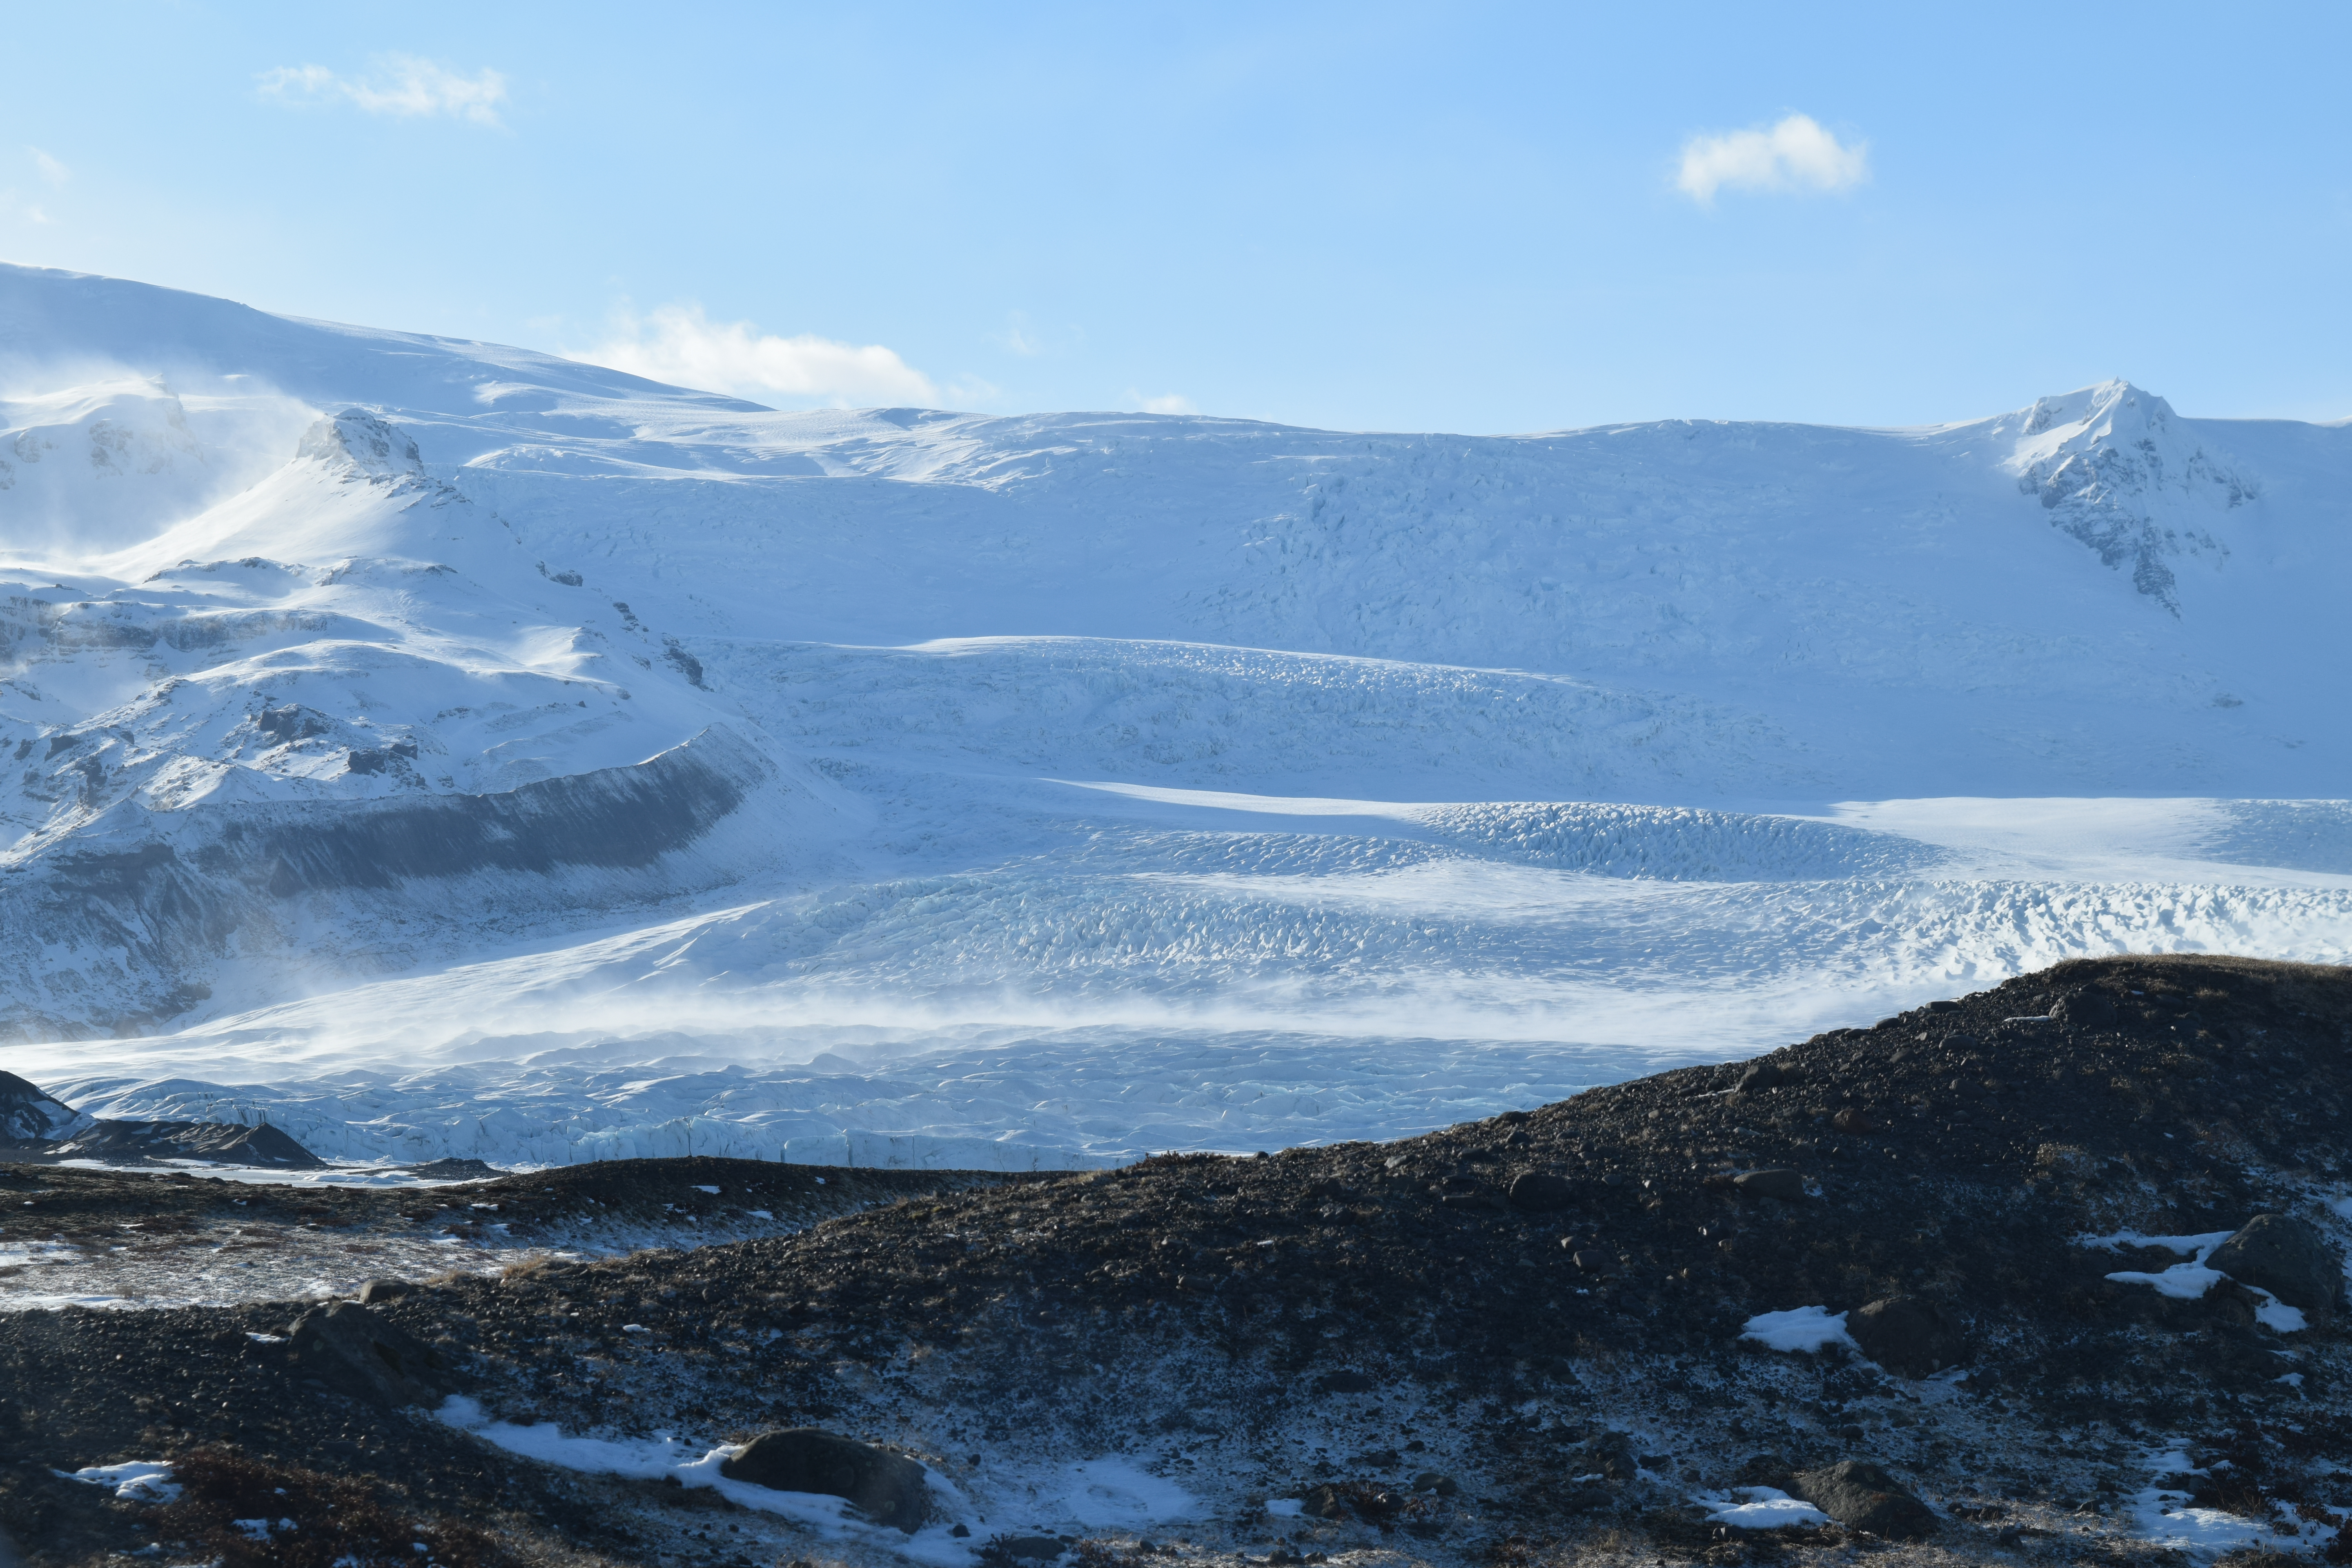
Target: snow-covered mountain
<point>578,711</point>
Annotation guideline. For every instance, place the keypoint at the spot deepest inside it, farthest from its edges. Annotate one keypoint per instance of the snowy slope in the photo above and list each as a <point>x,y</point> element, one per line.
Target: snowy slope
<point>460,749</point>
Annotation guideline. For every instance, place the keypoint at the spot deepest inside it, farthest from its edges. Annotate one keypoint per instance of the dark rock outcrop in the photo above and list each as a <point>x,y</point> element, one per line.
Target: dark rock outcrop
<point>226,1143</point>
<point>28,1118</point>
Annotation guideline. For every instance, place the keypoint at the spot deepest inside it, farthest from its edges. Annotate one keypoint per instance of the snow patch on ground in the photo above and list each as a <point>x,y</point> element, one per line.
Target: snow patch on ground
<point>1803,1329</point>
<point>134,1480</point>
<point>1110,1493</point>
<point>2189,1281</point>
<point>1759,1508</point>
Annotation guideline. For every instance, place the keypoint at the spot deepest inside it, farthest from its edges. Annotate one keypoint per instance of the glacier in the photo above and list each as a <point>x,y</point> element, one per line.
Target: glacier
<point>436,748</point>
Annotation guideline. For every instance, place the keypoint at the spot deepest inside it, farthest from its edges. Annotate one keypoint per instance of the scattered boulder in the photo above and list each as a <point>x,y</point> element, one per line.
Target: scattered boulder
<point>376,1290</point>
<point>1852,1120</point>
<point>2288,1259</point>
<point>1761,1075</point>
<point>886,1488</point>
<point>1540,1191</point>
<point>1786,1185</point>
<point>1862,1495</point>
<point>1908,1335</point>
<point>2083,1010</point>
<point>1611,1454</point>
<point>1351,1499</point>
<point>355,1352</point>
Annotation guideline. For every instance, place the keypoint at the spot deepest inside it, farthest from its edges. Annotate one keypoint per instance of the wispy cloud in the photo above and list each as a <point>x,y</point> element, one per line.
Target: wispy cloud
<point>399,85</point>
<point>51,170</point>
<point>681,344</point>
<point>1797,154</point>
<point>1167,403</point>
<point>1020,337</point>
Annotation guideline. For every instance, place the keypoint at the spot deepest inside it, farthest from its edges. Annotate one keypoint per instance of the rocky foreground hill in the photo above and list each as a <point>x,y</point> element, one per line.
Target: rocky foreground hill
<point>2049,1272</point>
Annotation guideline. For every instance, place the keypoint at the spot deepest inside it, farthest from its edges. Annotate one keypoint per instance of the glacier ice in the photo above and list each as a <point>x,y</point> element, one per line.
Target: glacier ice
<point>439,748</point>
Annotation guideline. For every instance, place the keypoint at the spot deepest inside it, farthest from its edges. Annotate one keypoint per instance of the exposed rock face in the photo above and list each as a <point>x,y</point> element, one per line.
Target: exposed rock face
<point>2287,1258</point>
<point>2117,473</point>
<point>29,1117</point>
<point>358,1353</point>
<point>1862,1495</point>
<point>1908,1335</point>
<point>887,1488</point>
<point>173,901</point>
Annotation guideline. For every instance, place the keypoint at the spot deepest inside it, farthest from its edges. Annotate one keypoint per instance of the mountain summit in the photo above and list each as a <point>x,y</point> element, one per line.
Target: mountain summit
<point>2116,469</point>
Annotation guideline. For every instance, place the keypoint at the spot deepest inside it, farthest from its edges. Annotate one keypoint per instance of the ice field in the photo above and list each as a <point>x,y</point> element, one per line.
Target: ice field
<point>441,749</point>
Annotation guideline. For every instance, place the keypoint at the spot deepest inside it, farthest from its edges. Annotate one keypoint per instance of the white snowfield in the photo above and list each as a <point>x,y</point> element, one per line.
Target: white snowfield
<point>445,749</point>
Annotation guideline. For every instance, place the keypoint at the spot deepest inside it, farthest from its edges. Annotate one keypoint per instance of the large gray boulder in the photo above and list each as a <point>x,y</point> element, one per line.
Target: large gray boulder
<point>1908,1335</point>
<point>1862,1495</point>
<point>360,1353</point>
<point>2287,1258</point>
<point>887,1488</point>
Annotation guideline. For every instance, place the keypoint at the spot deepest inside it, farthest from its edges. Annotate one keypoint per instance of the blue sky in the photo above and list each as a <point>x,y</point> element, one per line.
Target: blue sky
<point>1463,219</point>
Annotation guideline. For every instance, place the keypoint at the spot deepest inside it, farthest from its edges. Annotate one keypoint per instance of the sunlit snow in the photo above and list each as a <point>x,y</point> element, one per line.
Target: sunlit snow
<point>1031,792</point>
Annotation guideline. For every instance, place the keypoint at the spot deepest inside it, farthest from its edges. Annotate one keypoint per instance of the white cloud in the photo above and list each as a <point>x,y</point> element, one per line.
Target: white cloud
<point>1796,154</point>
<point>400,85</point>
<point>51,170</point>
<point>680,345</point>
<point>1168,403</point>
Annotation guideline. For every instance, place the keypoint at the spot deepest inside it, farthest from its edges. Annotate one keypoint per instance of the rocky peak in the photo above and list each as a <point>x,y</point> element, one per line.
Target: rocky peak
<point>358,440</point>
<point>2115,469</point>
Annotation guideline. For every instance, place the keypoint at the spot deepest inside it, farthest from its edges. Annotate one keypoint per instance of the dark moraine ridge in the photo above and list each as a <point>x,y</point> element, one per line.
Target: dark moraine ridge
<point>1518,1341</point>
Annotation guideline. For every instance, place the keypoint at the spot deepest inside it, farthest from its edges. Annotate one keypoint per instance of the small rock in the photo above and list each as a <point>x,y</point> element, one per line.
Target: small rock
<point>1592,1261</point>
<point>962,1531</point>
<point>2287,1258</point>
<point>887,1488</point>
<point>1541,1192</point>
<point>1852,1120</point>
<point>376,1290</point>
<point>1908,1335</point>
<point>1785,1184</point>
<point>1027,1548</point>
<point>1761,1075</point>
<point>1862,1495</point>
